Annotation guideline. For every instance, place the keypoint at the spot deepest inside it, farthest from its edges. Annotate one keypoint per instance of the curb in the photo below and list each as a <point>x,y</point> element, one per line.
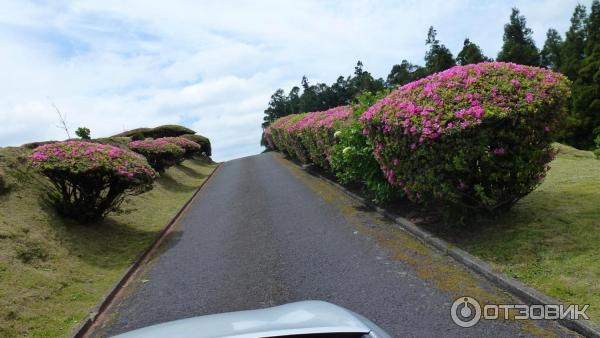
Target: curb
<point>83,329</point>
<point>522,291</point>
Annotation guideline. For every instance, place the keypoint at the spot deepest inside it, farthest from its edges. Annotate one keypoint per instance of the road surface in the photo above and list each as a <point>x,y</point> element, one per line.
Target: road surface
<point>262,232</point>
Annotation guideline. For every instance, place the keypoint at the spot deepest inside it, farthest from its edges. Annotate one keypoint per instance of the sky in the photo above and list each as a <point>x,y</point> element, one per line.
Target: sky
<point>114,65</point>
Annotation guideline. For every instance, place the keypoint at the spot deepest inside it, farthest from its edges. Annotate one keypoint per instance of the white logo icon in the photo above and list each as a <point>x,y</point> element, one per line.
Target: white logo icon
<point>465,311</point>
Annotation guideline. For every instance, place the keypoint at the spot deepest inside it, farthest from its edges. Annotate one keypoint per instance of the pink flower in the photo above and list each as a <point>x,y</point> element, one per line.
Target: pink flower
<point>499,151</point>
<point>529,97</point>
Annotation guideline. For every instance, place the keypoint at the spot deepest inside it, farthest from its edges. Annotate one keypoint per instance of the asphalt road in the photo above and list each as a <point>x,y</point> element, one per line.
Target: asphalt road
<point>262,232</point>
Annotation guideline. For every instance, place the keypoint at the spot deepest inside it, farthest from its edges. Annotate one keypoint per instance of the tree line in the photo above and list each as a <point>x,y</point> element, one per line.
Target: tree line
<point>577,56</point>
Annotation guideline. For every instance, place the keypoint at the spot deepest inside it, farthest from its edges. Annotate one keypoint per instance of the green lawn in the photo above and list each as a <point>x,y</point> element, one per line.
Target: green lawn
<point>52,271</point>
<point>551,238</point>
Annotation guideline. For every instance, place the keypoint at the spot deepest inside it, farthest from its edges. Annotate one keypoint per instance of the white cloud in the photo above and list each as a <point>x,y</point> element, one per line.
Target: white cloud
<point>112,65</point>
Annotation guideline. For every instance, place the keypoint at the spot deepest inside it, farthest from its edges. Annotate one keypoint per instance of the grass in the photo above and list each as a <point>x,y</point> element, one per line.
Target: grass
<point>53,271</point>
<point>551,238</point>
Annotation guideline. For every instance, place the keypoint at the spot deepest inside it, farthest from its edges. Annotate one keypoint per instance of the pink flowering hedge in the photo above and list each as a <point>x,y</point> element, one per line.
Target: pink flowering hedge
<point>189,147</point>
<point>89,179</point>
<point>161,153</point>
<point>476,136</point>
<point>309,137</point>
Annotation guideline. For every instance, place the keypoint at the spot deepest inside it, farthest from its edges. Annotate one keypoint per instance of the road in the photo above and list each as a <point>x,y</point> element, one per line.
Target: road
<point>263,232</point>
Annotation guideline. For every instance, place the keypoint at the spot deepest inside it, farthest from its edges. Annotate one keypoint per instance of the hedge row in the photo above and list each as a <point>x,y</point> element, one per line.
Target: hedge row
<point>477,136</point>
<point>168,130</point>
<point>91,178</point>
<point>308,137</point>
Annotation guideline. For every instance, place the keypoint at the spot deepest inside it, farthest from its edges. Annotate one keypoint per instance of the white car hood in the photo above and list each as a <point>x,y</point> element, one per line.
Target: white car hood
<point>295,318</point>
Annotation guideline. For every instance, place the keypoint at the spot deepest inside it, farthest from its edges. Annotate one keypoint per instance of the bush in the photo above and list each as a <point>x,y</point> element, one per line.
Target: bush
<point>117,141</point>
<point>136,134</point>
<point>90,180</point>
<point>169,130</point>
<point>352,159</point>
<point>476,136</point>
<point>190,148</point>
<point>160,153</point>
<point>202,141</point>
<point>308,137</point>
<point>34,145</point>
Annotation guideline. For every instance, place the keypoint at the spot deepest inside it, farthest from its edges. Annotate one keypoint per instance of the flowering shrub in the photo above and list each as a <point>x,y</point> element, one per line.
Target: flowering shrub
<point>309,137</point>
<point>190,148</point>
<point>352,159</point>
<point>160,153</point>
<point>477,136</point>
<point>204,143</point>
<point>117,141</point>
<point>90,179</point>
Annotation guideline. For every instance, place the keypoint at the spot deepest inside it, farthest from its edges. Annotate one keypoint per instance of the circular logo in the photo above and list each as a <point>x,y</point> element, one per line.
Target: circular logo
<point>465,311</point>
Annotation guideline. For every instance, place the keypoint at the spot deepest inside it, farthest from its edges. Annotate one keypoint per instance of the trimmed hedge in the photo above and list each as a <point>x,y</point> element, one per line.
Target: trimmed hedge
<point>117,141</point>
<point>202,141</point>
<point>89,179</point>
<point>170,130</point>
<point>190,148</point>
<point>167,130</point>
<point>308,137</point>
<point>160,153</point>
<point>34,145</point>
<point>476,136</point>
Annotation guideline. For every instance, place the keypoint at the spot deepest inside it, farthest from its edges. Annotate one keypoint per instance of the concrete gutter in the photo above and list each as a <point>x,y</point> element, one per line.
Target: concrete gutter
<point>85,328</point>
<point>522,291</point>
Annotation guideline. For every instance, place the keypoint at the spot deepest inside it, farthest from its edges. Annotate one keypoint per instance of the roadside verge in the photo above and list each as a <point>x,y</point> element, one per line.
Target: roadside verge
<point>97,313</point>
<point>517,288</point>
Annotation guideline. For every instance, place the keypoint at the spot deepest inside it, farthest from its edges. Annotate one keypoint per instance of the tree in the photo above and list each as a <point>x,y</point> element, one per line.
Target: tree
<point>573,47</point>
<point>586,90</point>
<point>83,133</point>
<point>364,81</point>
<point>277,107</point>
<point>438,57</point>
<point>518,46</point>
<point>593,29</point>
<point>470,53</point>
<point>550,56</point>
<point>401,74</point>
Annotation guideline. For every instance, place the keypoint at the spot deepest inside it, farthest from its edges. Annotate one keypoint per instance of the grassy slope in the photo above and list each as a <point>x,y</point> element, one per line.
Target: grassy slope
<point>551,238</point>
<point>52,272</point>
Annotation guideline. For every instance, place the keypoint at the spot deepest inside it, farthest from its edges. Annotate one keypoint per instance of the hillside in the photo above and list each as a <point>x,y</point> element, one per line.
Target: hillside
<point>52,270</point>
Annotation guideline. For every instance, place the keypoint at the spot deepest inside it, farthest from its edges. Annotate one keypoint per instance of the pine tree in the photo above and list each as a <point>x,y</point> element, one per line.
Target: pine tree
<point>550,56</point>
<point>518,46</point>
<point>573,47</point>
<point>470,53</point>
<point>277,107</point>
<point>401,74</point>
<point>586,90</point>
<point>438,57</point>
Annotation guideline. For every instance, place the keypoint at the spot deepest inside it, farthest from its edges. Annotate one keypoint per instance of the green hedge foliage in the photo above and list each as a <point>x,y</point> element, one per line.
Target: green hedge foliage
<point>476,138</point>
<point>202,141</point>
<point>90,180</point>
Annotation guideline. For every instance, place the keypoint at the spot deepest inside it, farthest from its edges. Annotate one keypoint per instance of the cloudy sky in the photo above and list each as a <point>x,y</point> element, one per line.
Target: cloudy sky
<point>212,65</point>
